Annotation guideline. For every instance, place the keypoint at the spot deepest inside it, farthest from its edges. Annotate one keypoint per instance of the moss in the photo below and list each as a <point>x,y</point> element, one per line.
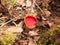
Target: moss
<point>12,2</point>
<point>58,26</point>
<point>7,38</point>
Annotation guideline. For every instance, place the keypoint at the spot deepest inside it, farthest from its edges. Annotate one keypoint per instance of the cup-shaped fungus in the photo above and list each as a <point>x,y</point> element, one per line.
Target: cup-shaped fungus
<point>30,21</point>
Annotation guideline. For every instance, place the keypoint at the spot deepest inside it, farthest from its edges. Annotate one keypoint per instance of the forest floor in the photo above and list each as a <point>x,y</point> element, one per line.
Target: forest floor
<point>14,29</point>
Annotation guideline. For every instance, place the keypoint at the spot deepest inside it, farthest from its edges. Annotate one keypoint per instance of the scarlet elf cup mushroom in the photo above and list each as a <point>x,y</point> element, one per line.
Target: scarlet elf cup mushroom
<point>30,21</point>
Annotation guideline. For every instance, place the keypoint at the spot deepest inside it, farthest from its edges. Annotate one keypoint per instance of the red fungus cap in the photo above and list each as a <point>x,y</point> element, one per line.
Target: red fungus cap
<point>30,22</point>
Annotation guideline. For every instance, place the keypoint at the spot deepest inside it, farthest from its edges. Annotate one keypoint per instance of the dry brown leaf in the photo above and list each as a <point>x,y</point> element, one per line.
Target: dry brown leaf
<point>32,42</point>
<point>36,38</point>
<point>47,12</point>
<point>33,33</point>
<point>24,42</point>
<point>20,2</point>
<point>17,28</point>
<point>28,3</point>
<point>50,23</point>
<point>45,3</point>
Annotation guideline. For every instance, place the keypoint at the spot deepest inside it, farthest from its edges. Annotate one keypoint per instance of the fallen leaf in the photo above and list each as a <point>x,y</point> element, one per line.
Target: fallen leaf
<point>50,23</point>
<point>24,42</point>
<point>31,42</point>
<point>46,3</point>
<point>16,28</point>
<point>28,3</point>
<point>47,12</point>
<point>20,2</point>
<point>33,33</point>
<point>36,38</point>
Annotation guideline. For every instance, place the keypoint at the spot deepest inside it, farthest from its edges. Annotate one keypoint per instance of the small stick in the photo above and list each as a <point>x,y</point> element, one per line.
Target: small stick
<point>9,21</point>
<point>14,23</point>
<point>40,9</point>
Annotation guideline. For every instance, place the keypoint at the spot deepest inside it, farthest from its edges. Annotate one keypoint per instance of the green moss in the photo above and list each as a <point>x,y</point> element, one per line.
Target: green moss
<point>12,2</point>
<point>7,38</point>
<point>39,44</point>
<point>58,25</point>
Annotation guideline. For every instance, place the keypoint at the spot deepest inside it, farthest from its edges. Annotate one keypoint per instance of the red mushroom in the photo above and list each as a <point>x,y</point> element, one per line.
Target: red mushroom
<point>30,21</point>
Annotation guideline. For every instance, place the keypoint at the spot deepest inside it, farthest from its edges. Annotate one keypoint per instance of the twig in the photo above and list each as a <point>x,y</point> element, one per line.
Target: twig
<point>40,9</point>
<point>9,21</point>
<point>14,23</point>
<point>3,17</point>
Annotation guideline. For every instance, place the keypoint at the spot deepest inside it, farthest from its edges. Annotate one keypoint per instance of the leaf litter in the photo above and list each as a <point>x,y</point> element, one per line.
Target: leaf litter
<point>13,30</point>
